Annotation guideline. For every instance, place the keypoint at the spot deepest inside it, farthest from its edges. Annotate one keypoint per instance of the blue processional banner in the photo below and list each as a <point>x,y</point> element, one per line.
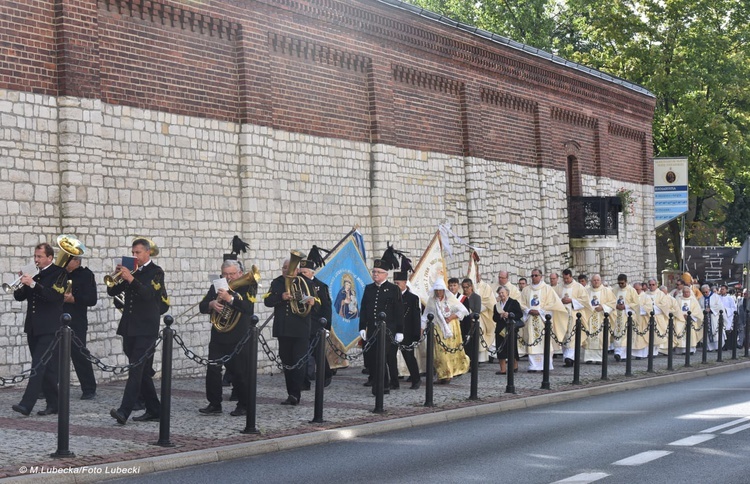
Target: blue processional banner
<point>346,275</point>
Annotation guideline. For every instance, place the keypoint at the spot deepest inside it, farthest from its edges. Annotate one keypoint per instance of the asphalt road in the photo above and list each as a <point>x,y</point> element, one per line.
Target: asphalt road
<point>695,431</point>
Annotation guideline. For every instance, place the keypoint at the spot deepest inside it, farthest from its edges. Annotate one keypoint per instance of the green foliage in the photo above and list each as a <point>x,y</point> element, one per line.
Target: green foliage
<point>694,55</point>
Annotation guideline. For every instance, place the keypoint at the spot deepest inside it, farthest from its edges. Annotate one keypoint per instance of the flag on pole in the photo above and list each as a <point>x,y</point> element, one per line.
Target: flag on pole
<point>431,266</point>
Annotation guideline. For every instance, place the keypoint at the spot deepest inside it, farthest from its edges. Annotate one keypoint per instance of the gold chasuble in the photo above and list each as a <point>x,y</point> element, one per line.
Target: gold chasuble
<point>545,300</point>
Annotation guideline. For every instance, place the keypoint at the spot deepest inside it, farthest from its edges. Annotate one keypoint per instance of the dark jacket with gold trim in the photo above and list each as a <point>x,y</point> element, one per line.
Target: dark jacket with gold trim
<point>143,298</point>
<point>243,304</point>
<point>45,301</point>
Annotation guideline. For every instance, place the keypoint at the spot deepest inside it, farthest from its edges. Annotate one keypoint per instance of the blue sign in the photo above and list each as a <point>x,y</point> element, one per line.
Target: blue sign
<point>670,189</point>
<point>346,274</point>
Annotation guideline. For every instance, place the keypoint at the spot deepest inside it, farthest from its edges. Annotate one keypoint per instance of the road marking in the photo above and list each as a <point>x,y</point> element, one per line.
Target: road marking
<point>723,426</point>
<point>692,440</point>
<point>584,478</point>
<point>737,429</point>
<point>642,458</point>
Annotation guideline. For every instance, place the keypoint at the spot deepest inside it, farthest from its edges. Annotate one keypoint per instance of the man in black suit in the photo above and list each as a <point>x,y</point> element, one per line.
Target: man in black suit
<point>44,292</point>
<point>506,309</point>
<point>139,328</point>
<point>81,297</point>
<point>382,296</point>
<point>293,332</point>
<point>239,302</point>
<point>473,303</point>
<point>412,326</point>
<point>323,309</point>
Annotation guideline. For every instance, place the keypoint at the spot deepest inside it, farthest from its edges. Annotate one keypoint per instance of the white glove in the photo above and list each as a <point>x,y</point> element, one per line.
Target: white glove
<point>363,334</point>
<point>448,334</point>
<point>399,337</point>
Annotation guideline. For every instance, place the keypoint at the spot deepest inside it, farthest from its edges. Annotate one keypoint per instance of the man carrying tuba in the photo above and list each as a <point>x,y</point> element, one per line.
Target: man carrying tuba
<point>291,324</point>
<point>231,309</point>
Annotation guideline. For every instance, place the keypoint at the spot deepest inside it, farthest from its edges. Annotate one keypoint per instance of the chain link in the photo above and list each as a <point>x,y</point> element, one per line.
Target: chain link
<point>344,356</point>
<point>218,361</point>
<point>117,370</point>
<point>279,364</point>
<point>48,353</point>
<point>410,347</point>
<point>447,349</point>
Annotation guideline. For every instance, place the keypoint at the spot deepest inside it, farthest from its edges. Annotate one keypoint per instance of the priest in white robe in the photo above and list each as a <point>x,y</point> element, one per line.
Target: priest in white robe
<point>712,303</point>
<point>603,301</point>
<point>575,298</point>
<point>688,303</point>
<point>537,301</point>
<point>628,301</point>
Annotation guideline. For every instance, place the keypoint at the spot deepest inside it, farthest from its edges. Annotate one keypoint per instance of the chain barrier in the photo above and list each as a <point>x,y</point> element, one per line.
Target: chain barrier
<point>218,361</point>
<point>281,366</point>
<point>565,340</point>
<point>48,353</point>
<point>440,342</point>
<point>344,356</point>
<point>699,328</point>
<point>117,370</point>
<point>593,333</point>
<point>640,333</point>
<point>658,334</point>
<point>410,347</point>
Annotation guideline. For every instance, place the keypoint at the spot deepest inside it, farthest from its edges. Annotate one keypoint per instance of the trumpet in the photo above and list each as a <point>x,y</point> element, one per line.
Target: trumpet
<point>111,280</point>
<point>9,288</point>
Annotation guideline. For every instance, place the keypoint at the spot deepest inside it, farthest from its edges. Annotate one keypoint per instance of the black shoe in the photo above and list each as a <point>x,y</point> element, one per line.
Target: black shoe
<point>21,409</point>
<point>568,363</point>
<point>146,417</point>
<point>415,385</point>
<point>290,400</point>
<point>491,359</point>
<point>409,380</point>
<point>238,412</point>
<point>368,383</point>
<point>118,415</point>
<point>365,371</point>
<point>88,396</point>
<point>211,409</point>
<point>47,411</point>
<point>618,357</point>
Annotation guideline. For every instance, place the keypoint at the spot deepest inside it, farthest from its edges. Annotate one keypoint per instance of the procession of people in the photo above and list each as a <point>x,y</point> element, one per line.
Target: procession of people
<point>302,306</point>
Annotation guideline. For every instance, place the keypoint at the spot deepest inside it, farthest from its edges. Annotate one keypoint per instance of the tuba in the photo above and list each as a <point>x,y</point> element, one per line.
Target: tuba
<point>297,286</point>
<point>228,318</point>
<point>69,247</point>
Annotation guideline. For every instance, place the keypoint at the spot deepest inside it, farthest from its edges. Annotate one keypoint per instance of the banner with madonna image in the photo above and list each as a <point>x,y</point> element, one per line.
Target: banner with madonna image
<point>346,275</point>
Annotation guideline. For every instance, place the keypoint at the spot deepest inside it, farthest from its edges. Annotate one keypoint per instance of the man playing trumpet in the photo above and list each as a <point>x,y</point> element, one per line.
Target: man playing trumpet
<point>44,292</point>
<point>139,327</point>
<point>224,305</point>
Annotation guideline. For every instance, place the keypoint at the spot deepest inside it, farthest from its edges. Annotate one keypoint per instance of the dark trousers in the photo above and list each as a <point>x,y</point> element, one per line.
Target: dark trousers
<point>140,378</point>
<point>237,366</point>
<point>45,379</point>
<point>411,363</point>
<point>391,363</point>
<point>312,365</point>
<point>83,367</point>
<point>291,350</point>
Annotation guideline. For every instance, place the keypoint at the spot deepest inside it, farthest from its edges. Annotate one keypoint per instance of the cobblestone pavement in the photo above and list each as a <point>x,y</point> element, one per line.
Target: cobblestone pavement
<point>96,439</point>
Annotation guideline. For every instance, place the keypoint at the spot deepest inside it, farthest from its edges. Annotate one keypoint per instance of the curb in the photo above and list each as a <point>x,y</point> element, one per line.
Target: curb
<point>236,451</point>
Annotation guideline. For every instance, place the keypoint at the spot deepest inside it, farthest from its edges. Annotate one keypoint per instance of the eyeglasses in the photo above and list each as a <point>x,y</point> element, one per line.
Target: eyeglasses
<point>378,271</point>
<point>465,287</point>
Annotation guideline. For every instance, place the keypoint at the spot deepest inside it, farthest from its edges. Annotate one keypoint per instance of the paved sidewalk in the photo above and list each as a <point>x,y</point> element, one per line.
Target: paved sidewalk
<point>106,449</point>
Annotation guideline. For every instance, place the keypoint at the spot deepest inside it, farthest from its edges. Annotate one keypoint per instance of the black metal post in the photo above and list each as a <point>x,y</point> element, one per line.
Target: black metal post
<point>605,346</point>
<point>511,344</point>
<point>651,342</point>
<point>380,364</point>
<point>251,353</point>
<point>63,394</point>
<point>166,383</point>
<point>577,357</point>
<point>688,337</point>
<point>475,358</point>
<point>745,341</point>
<point>547,350</point>
<point>430,363</point>
<point>706,322</point>
<point>629,350</point>
<point>670,342</point>
<point>735,323</point>
<point>720,349</point>
<point>320,372</point>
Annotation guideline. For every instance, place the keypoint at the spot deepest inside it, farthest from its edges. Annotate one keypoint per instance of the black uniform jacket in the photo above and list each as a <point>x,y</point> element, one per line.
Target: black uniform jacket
<point>325,307</point>
<point>412,317</point>
<point>140,316</point>
<point>45,300</point>
<point>387,299</point>
<point>285,322</point>
<point>84,292</point>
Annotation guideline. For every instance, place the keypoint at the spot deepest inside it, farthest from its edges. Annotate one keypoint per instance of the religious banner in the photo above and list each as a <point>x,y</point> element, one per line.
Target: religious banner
<point>713,264</point>
<point>431,266</point>
<point>346,275</point>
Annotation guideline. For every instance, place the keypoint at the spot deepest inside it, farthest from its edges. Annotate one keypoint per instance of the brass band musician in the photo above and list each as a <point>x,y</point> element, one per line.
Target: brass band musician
<point>227,306</point>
